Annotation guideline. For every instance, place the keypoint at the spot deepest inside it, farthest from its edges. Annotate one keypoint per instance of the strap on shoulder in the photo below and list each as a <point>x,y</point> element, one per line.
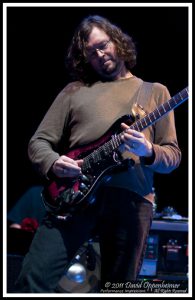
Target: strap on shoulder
<point>144,93</point>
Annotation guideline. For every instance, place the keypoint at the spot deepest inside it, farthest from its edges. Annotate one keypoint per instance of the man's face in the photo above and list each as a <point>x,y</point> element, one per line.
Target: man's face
<point>101,54</point>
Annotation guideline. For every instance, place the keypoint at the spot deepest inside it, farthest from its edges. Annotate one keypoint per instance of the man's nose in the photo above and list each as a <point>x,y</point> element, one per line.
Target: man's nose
<point>100,52</point>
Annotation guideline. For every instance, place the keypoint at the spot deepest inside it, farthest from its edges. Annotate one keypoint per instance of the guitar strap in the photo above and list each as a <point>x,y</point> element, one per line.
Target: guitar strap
<point>145,93</point>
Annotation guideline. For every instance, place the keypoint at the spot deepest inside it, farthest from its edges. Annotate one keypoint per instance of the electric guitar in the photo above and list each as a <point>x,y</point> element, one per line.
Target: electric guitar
<point>101,158</point>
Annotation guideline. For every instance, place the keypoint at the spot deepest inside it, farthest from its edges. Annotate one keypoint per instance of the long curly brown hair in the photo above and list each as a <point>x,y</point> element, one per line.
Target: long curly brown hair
<point>76,60</point>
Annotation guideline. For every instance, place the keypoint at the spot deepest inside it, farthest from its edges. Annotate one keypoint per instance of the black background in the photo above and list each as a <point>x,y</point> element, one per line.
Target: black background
<point>37,38</point>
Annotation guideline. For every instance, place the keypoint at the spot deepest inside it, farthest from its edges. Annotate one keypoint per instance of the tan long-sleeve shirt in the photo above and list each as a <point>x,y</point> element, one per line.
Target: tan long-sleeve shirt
<point>81,114</point>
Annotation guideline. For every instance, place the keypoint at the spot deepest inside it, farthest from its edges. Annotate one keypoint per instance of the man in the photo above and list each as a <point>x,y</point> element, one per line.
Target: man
<point>100,59</point>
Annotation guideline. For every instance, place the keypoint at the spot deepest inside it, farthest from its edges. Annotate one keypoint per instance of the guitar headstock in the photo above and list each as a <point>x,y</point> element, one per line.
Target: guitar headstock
<point>138,111</point>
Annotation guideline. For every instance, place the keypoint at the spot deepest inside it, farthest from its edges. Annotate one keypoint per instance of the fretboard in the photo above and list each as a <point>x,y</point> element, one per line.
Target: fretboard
<point>160,111</point>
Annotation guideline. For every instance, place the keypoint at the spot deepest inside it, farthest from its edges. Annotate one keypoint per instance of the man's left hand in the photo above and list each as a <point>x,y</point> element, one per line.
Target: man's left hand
<point>136,142</point>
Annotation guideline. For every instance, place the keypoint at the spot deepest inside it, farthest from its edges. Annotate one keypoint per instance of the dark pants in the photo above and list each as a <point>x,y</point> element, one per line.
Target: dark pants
<point>122,221</point>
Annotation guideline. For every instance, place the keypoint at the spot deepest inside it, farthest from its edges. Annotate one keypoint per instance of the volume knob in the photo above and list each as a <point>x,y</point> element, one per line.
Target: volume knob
<point>83,187</point>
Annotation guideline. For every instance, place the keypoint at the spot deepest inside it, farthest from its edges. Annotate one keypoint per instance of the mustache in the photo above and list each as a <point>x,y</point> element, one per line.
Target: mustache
<point>103,60</point>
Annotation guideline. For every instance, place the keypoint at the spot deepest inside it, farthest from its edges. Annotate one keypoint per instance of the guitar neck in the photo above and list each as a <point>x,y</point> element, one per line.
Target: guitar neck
<point>160,111</point>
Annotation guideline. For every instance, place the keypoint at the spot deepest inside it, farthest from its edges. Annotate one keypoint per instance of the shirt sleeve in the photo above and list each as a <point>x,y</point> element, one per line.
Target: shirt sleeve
<point>167,154</point>
<point>43,148</point>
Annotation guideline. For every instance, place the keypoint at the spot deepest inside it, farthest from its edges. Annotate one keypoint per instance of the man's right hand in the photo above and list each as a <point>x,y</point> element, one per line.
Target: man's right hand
<point>66,167</point>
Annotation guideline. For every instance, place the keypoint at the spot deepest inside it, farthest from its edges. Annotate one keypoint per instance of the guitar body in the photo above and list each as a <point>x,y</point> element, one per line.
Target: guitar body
<point>66,195</point>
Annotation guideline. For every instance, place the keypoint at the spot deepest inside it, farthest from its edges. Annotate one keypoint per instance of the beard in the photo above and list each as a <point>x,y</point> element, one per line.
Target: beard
<point>111,69</point>
<point>107,67</point>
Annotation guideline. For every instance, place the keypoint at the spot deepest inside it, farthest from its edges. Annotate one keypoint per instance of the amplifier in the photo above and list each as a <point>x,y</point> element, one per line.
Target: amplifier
<point>149,266</point>
<point>166,255</point>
